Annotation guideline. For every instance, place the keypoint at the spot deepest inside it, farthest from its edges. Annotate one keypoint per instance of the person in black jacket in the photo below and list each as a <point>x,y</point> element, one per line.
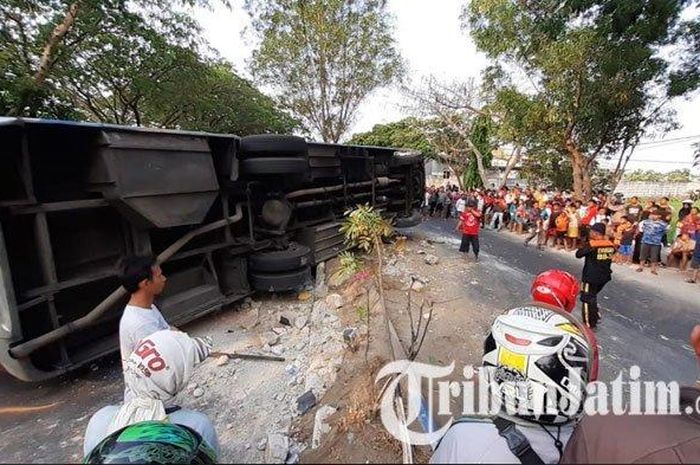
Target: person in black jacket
<point>598,252</point>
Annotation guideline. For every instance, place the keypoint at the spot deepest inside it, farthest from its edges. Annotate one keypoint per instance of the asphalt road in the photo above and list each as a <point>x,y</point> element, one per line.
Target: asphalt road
<point>646,319</point>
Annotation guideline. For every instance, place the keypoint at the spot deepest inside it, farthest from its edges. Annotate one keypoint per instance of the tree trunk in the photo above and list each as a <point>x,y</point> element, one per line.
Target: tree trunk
<point>579,167</point>
<point>479,162</point>
<point>512,161</point>
<point>459,173</point>
<point>586,182</point>
<point>578,182</point>
<point>621,166</point>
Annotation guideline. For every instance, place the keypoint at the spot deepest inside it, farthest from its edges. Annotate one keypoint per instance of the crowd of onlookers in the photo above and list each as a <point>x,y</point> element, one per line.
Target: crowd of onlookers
<point>639,230</point>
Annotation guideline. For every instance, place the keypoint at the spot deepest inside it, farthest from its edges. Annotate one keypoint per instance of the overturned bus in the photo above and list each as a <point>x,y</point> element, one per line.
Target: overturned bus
<point>225,215</point>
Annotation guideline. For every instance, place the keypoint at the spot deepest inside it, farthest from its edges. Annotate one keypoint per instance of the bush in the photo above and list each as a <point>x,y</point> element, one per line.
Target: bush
<point>365,228</point>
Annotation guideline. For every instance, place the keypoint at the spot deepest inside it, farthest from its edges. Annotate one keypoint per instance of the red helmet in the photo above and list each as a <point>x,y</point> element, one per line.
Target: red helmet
<point>555,287</point>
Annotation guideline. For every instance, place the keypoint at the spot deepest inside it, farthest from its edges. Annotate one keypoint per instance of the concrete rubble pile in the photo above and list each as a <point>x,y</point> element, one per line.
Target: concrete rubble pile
<point>252,403</point>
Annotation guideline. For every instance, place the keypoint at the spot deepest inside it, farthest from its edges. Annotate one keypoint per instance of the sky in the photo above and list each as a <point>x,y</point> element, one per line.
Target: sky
<point>429,38</point>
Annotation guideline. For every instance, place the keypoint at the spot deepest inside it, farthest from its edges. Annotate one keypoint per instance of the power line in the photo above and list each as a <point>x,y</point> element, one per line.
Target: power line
<point>661,161</point>
<point>667,162</point>
<point>666,141</point>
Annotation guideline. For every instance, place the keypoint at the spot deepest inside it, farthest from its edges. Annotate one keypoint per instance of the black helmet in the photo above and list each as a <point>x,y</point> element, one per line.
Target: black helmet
<point>153,442</point>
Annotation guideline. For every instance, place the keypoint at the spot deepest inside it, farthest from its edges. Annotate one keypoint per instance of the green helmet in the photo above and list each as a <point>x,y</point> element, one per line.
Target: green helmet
<point>153,442</point>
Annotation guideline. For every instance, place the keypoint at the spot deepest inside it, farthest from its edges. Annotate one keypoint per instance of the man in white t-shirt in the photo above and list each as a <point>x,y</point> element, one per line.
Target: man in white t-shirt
<point>143,278</point>
<point>461,203</point>
<point>157,371</point>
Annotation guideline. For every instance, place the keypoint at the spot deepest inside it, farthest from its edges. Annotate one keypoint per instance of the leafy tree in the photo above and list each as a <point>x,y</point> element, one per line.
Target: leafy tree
<point>41,36</point>
<point>682,175</point>
<point>323,57</point>
<point>596,83</point>
<point>456,124</point>
<point>686,77</point>
<point>124,64</point>
<point>407,133</point>
<point>437,139</point>
<point>547,168</point>
<point>481,135</point>
<point>145,87</point>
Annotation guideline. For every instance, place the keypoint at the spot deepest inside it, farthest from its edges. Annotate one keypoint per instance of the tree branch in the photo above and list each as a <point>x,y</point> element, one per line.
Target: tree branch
<point>57,36</point>
<point>23,37</point>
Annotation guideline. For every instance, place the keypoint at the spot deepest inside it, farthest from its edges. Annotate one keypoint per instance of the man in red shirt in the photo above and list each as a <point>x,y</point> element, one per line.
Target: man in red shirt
<point>588,219</point>
<point>469,224</point>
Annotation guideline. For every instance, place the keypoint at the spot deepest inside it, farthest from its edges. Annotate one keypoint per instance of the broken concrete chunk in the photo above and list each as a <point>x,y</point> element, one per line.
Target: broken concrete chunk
<point>198,392</point>
<point>277,448</point>
<point>320,425</point>
<point>277,351</point>
<point>306,402</point>
<point>300,321</point>
<point>431,259</point>
<point>334,301</point>
<point>321,291</point>
<point>291,370</point>
<point>320,274</point>
<point>271,338</point>
<point>349,334</point>
<point>314,383</point>
<point>278,330</point>
<point>350,338</point>
<point>295,451</point>
<point>320,310</point>
<point>221,360</point>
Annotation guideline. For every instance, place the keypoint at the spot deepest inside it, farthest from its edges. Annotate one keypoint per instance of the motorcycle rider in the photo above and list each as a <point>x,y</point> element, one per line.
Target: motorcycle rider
<point>546,351</point>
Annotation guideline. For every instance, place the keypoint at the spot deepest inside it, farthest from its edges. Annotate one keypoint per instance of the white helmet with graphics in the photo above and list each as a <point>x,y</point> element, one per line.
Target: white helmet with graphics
<point>538,362</point>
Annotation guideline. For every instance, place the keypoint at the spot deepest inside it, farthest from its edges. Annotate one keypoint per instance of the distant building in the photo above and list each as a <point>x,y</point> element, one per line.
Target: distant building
<point>439,174</point>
